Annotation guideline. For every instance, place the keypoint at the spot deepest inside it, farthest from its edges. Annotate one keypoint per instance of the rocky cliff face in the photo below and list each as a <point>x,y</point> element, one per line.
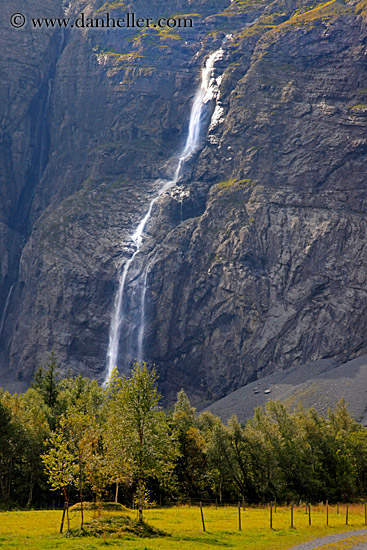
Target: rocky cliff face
<point>256,260</point>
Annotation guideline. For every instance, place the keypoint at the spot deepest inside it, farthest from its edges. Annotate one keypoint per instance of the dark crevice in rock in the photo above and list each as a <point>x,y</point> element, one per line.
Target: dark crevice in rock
<point>39,111</point>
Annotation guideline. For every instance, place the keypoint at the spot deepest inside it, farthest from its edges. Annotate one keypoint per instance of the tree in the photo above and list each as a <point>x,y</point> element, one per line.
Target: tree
<point>140,430</point>
<point>219,456</point>
<point>76,456</point>
<point>6,450</point>
<point>32,415</point>
<point>191,469</point>
<point>45,381</point>
<point>80,431</point>
<point>46,384</point>
<point>82,394</point>
<point>60,465</point>
<point>341,427</point>
<point>77,430</point>
<point>96,468</point>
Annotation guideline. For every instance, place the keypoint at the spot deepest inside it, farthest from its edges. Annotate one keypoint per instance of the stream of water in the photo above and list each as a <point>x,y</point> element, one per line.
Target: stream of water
<point>204,93</point>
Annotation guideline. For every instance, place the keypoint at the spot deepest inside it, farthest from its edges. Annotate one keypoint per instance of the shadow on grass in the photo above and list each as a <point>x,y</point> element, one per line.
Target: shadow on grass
<point>206,538</point>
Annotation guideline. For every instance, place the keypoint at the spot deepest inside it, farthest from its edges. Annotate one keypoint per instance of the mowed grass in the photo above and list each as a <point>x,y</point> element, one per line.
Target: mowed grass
<point>39,530</point>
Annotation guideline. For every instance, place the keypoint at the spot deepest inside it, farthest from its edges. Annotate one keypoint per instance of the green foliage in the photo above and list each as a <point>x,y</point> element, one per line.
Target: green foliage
<point>108,7</point>
<point>45,381</point>
<point>137,435</point>
<point>60,466</point>
<point>82,394</point>
<point>84,439</point>
<point>7,447</point>
<point>32,416</point>
<point>183,415</point>
<point>360,107</point>
<point>191,469</point>
<point>233,183</point>
<point>59,463</point>
<point>25,429</point>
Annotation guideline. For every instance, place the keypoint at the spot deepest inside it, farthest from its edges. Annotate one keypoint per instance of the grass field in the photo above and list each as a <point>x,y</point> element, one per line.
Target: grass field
<point>38,530</point>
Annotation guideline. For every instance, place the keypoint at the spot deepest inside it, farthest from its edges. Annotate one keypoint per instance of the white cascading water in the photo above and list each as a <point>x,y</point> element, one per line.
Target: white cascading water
<point>42,159</point>
<point>204,93</point>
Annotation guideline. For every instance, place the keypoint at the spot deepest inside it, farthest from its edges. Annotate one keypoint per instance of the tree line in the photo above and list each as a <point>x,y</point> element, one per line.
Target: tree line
<point>68,440</point>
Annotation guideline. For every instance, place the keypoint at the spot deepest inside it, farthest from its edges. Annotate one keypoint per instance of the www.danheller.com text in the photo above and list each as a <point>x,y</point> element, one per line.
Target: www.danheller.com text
<point>105,21</point>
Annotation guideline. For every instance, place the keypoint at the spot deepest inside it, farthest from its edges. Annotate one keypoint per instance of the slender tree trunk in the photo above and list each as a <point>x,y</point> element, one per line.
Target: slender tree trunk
<point>8,489</point>
<point>2,487</point>
<point>140,500</point>
<point>67,510</point>
<point>81,510</point>
<point>99,501</point>
<point>81,500</point>
<point>62,519</point>
<point>117,492</point>
<point>81,490</point>
<point>30,494</point>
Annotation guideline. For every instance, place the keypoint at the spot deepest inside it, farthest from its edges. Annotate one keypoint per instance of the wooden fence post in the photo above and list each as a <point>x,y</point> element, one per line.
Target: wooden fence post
<point>309,514</point>
<point>337,508</point>
<point>202,516</point>
<point>239,516</point>
<point>292,516</point>
<point>365,513</point>
<point>271,515</point>
<point>346,515</point>
<point>327,512</point>
<point>62,519</point>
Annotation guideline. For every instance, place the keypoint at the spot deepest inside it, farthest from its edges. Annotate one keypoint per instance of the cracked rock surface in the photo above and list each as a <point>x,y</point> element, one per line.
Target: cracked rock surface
<point>257,259</point>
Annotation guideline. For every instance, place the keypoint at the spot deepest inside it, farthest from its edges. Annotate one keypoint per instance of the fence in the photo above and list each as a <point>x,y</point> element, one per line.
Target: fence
<point>329,512</point>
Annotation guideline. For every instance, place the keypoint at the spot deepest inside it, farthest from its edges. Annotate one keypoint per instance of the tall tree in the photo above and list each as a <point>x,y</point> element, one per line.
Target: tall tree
<point>191,469</point>
<point>6,450</point>
<point>60,466</point>
<point>79,433</point>
<point>32,414</point>
<point>141,429</point>
<point>45,380</point>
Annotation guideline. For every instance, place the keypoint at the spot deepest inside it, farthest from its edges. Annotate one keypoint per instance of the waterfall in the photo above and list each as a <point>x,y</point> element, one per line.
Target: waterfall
<point>5,310</point>
<point>204,93</point>
<point>43,154</point>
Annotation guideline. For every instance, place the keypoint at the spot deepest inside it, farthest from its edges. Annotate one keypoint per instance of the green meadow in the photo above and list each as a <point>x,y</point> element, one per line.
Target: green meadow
<point>39,530</point>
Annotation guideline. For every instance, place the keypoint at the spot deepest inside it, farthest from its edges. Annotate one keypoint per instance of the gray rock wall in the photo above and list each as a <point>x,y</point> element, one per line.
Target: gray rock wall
<point>256,262</point>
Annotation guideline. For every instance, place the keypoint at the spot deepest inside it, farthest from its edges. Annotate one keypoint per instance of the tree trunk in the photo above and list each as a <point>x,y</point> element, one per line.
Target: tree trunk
<point>2,486</point>
<point>8,484</point>
<point>62,519</point>
<point>81,509</point>
<point>81,495</point>
<point>140,500</point>
<point>30,494</point>
<point>117,492</point>
<point>67,510</point>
